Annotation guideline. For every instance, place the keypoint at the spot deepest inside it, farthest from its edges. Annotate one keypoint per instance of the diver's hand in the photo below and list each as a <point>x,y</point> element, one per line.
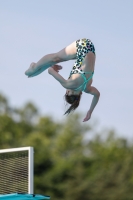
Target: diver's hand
<point>88,116</point>
<point>57,67</point>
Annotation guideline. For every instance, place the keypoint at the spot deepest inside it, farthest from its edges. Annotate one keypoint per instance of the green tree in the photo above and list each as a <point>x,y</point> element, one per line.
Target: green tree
<point>4,105</point>
<point>67,166</point>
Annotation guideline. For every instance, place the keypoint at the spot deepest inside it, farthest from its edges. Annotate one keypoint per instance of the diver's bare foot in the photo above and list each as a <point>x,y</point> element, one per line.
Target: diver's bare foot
<point>31,69</point>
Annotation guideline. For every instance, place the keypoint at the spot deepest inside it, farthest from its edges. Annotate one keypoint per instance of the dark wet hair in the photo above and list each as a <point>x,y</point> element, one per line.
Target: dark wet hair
<point>74,100</point>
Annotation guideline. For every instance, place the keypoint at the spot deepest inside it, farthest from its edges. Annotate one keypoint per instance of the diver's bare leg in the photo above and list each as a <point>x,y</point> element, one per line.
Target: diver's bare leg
<point>49,60</point>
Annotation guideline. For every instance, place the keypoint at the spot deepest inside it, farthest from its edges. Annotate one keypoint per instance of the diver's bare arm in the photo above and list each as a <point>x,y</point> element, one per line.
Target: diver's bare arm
<point>65,83</point>
<point>96,94</point>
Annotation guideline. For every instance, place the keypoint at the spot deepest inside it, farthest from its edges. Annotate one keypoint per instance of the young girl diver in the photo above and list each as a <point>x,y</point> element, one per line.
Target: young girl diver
<point>80,78</point>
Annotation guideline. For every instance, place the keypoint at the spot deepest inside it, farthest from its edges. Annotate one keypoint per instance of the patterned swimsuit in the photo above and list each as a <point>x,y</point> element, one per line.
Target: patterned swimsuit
<point>83,47</point>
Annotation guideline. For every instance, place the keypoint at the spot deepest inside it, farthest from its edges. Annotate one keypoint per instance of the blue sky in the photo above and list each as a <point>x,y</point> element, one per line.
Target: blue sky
<point>33,28</point>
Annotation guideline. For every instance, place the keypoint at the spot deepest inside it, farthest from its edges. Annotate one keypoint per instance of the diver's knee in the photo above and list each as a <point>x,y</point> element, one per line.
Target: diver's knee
<point>57,58</point>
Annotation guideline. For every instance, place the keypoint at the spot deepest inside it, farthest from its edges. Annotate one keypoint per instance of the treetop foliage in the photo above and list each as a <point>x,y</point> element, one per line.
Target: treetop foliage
<point>66,165</point>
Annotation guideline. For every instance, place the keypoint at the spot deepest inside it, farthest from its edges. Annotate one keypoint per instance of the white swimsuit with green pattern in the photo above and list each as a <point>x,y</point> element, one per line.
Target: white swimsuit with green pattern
<point>83,47</point>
